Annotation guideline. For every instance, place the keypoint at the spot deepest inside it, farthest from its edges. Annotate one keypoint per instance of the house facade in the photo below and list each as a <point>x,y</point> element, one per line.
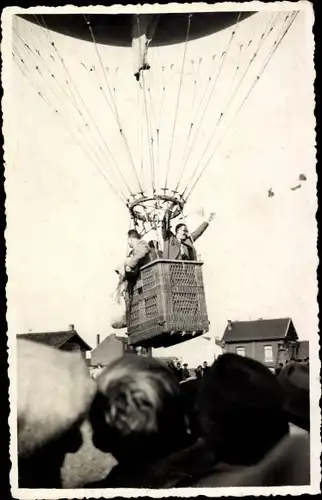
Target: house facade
<point>113,347</point>
<point>269,341</point>
<point>67,340</point>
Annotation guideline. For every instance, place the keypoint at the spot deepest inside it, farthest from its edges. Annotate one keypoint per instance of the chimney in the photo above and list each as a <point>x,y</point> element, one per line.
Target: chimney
<point>71,328</point>
<point>97,339</point>
<point>230,325</point>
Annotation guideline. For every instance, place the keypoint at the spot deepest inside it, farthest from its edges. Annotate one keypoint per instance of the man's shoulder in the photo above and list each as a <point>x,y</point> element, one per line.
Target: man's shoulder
<point>144,244</point>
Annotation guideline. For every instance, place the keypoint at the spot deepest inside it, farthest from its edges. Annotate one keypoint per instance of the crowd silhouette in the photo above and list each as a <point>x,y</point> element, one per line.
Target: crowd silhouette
<point>183,373</point>
<point>227,425</point>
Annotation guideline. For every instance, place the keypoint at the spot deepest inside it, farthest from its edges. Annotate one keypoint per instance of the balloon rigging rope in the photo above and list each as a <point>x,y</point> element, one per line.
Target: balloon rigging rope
<point>162,100</point>
<point>192,122</point>
<point>196,79</point>
<point>158,124</point>
<point>154,139</point>
<point>78,93</point>
<point>223,113</point>
<point>272,52</point>
<point>262,39</point>
<point>139,129</point>
<point>199,107</point>
<point>178,98</point>
<point>119,171</point>
<point>149,135</point>
<point>116,112</point>
<point>98,163</point>
<point>148,130</point>
<point>194,115</point>
<point>206,106</point>
<point>154,127</point>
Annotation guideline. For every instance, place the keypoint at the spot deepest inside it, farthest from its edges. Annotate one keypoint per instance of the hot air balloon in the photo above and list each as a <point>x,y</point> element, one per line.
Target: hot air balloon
<point>169,88</point>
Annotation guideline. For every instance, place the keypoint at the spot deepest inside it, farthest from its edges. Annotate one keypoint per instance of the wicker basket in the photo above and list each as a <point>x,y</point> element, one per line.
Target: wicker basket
<point>168,304</point>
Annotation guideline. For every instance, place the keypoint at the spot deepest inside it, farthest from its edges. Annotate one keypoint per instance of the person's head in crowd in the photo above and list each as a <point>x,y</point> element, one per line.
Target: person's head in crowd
<point>190,389</point>
<point>295,381</point>
<point>138,411</point>
<point>185,365</point>
<point>178,365</point>
<point>54,394</point>
<point>241,409</point>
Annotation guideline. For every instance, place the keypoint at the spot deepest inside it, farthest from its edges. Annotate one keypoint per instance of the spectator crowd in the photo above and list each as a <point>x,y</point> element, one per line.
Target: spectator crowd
<point>227,425</point>
<point>183,373</point>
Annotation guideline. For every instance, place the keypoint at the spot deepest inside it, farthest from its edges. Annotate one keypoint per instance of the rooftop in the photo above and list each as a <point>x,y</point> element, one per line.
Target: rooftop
<point>56,339</point>
<point>261,329</point>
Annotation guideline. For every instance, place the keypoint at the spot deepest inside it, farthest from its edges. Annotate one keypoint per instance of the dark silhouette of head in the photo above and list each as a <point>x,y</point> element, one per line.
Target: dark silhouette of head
<point>295,381</point>
<point>138,411</point>
<point>241,409</point>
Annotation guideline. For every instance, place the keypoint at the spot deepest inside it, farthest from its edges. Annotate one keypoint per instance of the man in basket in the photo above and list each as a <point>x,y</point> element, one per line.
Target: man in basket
<point>139,255</point>
<point>180,246</point>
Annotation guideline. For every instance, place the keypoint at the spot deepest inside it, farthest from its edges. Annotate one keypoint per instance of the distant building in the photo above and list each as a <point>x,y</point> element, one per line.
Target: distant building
<point>269,341</point>
<point>303,351</point>
<point>68,340</point>
<point>113,347</point>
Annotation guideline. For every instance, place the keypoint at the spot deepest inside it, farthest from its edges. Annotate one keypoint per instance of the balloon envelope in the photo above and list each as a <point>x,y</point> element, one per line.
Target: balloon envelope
<point>117,29</point>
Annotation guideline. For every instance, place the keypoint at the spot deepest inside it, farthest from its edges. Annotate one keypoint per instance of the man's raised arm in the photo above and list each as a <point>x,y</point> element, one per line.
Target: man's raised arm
<point>202,228</point>
<point>166,231</point>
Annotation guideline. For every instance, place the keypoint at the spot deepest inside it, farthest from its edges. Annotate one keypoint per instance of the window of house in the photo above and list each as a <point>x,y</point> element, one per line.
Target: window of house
<point>240,351</point>
<point>268,353</point>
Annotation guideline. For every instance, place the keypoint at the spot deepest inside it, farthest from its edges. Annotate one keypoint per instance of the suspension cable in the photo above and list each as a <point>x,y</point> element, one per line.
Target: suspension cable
<point>48,86</point>
<point>146,112</point>
<point>80,144</point>
<point>223,59</point>
<point>178,98</point>
<point>78,94</point>
<point>111,95</point>
<point>263,37</point>
<point>230,101</point>
<point>37,54</point>
<point>273,50</point>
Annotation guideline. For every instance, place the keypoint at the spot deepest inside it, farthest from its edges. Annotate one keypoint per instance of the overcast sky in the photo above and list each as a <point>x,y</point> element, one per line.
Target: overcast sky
<point>66,228</point>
